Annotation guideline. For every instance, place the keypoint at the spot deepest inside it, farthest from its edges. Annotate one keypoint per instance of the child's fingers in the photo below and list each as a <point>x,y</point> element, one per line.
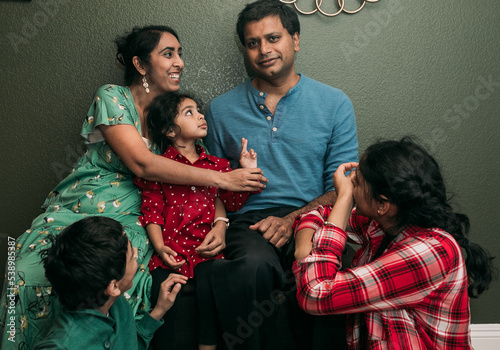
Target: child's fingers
<point>177,265</point>
<point>170,260</point>
<point>170,251</point>
<point>175,278</point>
<point>349,166</point>
<point>206,242</point>
<point>208,248</point>
<point>244,144</point>
<point>175,290</point>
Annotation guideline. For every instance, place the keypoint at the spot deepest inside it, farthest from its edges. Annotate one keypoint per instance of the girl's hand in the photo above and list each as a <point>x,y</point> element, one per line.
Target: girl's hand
<point>214,242</point>
<point>168,255</point>
<point>303,243</point>
<point>248,159</point>
<point>343,184</point>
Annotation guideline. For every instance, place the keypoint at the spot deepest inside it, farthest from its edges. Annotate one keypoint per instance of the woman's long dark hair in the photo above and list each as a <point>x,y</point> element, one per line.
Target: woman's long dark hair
<point>140,42</point>
<point>408,176</point>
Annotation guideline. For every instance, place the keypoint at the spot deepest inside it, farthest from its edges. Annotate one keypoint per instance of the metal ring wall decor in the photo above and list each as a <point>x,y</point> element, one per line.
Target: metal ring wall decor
<point>310,12</point>
<point>318,4</point>
<point>318,7</point>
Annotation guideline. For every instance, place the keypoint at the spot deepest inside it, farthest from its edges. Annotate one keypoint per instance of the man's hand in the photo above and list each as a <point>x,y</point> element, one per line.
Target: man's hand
<point>277,231</point>
<point>168,292</point>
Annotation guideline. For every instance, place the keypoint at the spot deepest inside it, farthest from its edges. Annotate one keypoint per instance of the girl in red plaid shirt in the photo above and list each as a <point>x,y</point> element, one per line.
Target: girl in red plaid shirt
<point>409,284</point>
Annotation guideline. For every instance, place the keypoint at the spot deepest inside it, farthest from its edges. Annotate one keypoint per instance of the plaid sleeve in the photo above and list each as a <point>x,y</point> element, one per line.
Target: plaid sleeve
<point>315,274</point>
<point>402,277</point>
<point>314,218</point>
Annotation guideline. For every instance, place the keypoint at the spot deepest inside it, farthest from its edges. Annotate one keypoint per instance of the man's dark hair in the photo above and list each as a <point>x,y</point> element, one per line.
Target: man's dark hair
<point>265,8</point>
<point>83,259</point>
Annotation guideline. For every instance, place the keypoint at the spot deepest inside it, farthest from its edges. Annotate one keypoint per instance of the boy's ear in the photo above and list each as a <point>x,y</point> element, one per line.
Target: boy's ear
<point>112,289</point>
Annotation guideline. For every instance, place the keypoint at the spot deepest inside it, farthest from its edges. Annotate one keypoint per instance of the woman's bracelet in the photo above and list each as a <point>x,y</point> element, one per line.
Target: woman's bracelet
<point>220,218</point>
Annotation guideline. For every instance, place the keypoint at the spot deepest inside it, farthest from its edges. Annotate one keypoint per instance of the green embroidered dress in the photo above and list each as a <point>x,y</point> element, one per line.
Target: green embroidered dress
<point>100,184</point>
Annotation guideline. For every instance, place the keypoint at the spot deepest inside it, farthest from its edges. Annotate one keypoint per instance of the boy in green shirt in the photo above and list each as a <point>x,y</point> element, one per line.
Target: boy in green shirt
<point>90,265</point>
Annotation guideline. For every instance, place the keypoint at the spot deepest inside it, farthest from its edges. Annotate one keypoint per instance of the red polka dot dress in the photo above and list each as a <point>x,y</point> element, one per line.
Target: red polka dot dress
<point>185,213</point>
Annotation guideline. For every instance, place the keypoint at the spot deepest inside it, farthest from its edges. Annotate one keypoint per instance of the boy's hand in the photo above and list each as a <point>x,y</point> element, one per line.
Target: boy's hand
<point>168,255</point>
<point>168,292</point>
<point>214,242</point>
<point>248,159</point>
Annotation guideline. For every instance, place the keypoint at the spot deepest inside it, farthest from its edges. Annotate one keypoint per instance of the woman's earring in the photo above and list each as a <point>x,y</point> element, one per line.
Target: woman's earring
<point>378,211</point>
<point>145,84</point>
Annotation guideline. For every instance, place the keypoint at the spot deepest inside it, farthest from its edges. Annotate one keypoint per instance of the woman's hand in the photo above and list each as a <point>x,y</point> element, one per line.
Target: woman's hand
<point>343,184</point>
<point>168,255</point>
<point>214,241</point>
<point>248,159</point>
<point>247,179</point>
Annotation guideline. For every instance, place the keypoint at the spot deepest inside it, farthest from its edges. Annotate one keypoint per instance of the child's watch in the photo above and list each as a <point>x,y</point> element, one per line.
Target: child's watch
<point>220,218</point>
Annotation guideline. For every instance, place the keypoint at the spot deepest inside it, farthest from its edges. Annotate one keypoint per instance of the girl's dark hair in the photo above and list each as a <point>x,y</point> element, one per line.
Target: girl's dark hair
<point>161,115</point>
<point>265,8</point>
<point>408,176</point>
<point>83,259</point>
<point>140,42</point>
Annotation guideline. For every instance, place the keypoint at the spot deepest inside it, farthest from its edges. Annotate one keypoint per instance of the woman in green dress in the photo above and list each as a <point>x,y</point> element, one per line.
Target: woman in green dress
<point>101,183</point>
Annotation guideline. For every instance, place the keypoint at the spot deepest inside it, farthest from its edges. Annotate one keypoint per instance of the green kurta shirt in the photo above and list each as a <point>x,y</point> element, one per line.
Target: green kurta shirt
<point>89,329</point>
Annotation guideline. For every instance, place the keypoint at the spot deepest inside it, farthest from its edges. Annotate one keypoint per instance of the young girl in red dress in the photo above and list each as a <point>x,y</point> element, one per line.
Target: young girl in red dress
<point>187,224</point>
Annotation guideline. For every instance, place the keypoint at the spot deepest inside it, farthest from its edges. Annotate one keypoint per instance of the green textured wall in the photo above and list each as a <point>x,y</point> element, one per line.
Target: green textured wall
<point>429,68</point>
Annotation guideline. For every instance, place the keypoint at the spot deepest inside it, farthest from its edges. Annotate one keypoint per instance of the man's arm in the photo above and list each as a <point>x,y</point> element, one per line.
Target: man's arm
<point>278,231</point>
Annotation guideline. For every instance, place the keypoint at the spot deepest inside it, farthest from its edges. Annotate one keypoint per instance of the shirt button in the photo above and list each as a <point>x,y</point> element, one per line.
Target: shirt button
<point>275,129</point>
<point>193,188</point>
<point>261,94</point>
<point>268,117</point>
<point>261,107</point>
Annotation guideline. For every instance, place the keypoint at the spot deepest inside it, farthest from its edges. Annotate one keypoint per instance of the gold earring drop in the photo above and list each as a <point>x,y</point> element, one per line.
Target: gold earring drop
<point>145,84</point>
<point>378,211</point>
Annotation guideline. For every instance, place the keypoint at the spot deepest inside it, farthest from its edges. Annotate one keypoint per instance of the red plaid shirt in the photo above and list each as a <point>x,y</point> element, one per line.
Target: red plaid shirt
<point>414,296</point>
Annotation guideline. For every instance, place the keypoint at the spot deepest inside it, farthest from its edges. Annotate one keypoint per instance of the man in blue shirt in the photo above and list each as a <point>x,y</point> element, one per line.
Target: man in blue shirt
<point>302,130</point>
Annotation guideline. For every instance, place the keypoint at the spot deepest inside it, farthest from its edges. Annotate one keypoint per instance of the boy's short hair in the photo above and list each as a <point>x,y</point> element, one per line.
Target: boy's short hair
<point>265,8</point>
<point>83,259</point>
